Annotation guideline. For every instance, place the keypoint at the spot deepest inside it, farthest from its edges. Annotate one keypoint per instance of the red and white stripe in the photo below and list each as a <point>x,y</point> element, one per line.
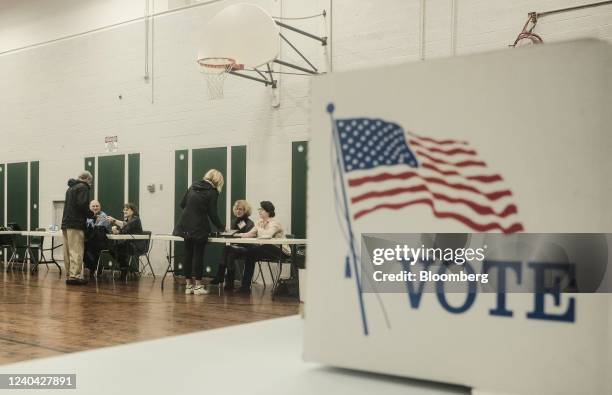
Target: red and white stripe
<point>450,179</point>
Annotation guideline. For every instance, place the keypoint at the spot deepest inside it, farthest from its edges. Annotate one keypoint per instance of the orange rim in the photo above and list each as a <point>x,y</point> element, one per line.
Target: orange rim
<point>209,62</point>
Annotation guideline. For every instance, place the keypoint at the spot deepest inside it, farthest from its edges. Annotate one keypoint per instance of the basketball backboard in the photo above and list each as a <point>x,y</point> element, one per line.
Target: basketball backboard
<point>243,32</point>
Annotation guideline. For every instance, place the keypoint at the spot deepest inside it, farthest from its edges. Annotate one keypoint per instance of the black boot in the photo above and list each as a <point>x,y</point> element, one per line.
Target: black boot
<point>219,276</point>
<point>229,280</point>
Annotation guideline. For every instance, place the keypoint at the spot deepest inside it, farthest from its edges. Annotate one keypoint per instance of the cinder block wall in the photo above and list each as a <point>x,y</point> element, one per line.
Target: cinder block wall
<point>59,101</point>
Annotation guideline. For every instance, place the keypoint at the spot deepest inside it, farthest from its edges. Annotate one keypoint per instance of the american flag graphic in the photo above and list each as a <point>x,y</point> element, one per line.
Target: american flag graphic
<point>387,168</point>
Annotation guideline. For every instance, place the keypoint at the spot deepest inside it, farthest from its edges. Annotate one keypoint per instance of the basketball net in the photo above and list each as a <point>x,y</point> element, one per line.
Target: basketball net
<point>215,70</point>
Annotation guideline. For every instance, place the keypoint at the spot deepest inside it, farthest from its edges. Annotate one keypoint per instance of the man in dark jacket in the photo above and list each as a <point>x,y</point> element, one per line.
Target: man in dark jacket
<point>74,221</point>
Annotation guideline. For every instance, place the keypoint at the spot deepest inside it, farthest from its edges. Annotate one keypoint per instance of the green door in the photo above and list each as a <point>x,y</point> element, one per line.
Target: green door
<point>2,223</point>
<point>90,166</point>
<point>238,176</point>
<point>17,198</point>
<point>134,179</point>
<point>34,194</point>
<point>299,176</point>
<point>2,171</point>
<point>203,160</point>
<point>181,183</point>
<point>111,184</point>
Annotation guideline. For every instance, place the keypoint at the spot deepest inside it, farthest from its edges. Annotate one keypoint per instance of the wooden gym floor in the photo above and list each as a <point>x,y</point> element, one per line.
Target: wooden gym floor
<point>41,317</point>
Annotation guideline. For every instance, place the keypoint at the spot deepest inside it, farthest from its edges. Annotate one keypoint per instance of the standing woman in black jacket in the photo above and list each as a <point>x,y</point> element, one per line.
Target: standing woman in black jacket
<point>199,205</point>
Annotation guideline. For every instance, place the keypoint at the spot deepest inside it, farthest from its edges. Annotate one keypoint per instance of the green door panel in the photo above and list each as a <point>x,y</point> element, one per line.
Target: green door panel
<point>111,184</point>
<point>299,170</point>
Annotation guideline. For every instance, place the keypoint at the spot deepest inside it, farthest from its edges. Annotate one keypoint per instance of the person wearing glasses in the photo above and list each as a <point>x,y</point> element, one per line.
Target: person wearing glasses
<point>268,227</point>
<point>131,225</point>
<point>241,224</point>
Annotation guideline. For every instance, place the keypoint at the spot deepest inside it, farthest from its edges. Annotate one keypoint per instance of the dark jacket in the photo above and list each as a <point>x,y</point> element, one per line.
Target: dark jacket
<point>76,206</point>
<point>199,205</point>
<point>248,224</point>
<point>132,227</point>
<point>95,242</point>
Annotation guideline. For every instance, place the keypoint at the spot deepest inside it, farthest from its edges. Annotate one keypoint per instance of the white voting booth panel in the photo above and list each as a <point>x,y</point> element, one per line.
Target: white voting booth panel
<point>541,118</point>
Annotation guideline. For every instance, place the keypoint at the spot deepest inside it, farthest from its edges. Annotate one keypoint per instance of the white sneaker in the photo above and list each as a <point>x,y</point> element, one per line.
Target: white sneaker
<point>200,290</point>
<point>188,289</point>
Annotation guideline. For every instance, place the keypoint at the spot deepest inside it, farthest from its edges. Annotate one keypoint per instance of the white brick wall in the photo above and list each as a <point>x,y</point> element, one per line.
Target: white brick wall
<point>57,102</point>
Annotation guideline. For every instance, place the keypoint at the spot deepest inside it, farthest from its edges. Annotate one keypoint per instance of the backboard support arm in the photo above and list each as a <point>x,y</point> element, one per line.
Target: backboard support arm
<point>294,66</point>
<point>322,40</point>
<point>299,53</point>
<point>271,76</point>
<point>249,77</point>
<point>260,73</point>
<point>269,80</point>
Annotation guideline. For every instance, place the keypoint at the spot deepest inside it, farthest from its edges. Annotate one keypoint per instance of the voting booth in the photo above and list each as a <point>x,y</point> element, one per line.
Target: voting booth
<point>512,141</point>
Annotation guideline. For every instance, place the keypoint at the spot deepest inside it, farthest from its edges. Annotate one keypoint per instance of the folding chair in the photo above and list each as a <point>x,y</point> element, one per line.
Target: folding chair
<point>106,261</point>
<point>8,243</point>
<point>15,253</point>
<point>142,251</point>
<point>283,259</point>
<point>14,241</point>
<point>36,243</point>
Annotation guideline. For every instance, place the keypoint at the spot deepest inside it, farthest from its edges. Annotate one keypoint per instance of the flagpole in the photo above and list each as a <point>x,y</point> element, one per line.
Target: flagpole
<point>330,110</point>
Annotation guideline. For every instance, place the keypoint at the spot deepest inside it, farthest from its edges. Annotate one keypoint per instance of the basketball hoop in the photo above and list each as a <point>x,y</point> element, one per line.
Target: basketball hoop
<point>216,70</point>
<point>527,38</point>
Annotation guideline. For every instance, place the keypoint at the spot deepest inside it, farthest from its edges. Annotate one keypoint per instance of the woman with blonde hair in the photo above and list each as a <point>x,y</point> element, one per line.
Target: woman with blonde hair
<point>241,224</point>
<point>199,205</point>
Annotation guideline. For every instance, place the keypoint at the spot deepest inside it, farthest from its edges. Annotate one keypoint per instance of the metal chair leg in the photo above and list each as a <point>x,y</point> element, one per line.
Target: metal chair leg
<point>33,262</point>
<point>26,258</point>
<point>150,266</point>
<point>102,252</point>
<point>263,278</point>
<point>98,265</point>
<point>137,273</point>
<point>11,261</point>
<point>129,266</point>
<point>166,273</point>
<point>271,274</point>
<point>43,258</point>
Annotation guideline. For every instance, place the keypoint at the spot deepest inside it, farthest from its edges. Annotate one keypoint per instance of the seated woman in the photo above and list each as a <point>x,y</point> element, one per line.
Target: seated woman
<point>130,225</point>
<point>266,227</point>
<point>242,224</point>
